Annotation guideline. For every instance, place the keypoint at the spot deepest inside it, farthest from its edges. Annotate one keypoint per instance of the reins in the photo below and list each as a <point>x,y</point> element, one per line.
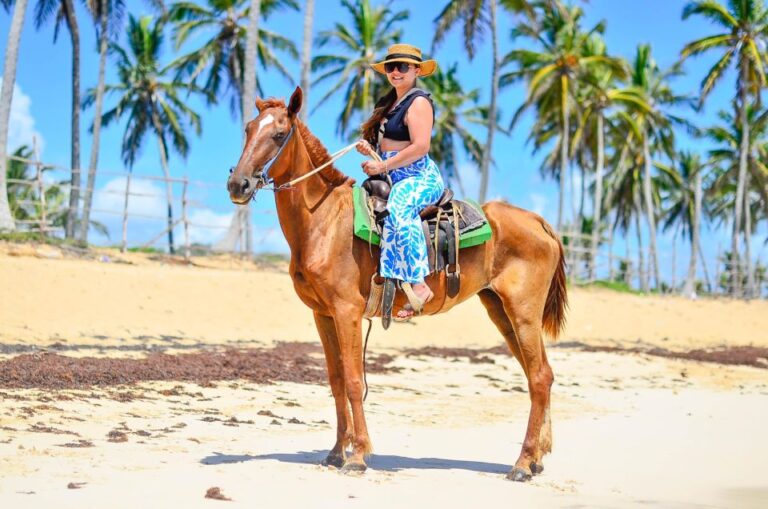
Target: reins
<point>291,183</point>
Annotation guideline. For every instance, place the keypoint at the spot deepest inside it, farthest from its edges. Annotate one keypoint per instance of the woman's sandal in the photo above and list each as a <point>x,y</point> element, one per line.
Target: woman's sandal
<point>415,304</point>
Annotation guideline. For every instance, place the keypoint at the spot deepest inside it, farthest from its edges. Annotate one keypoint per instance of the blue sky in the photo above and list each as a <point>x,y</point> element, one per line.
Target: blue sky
<point>43,79</point>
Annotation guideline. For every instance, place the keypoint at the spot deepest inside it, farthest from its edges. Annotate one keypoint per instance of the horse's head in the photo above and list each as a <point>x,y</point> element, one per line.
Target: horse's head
<point>264,137</point>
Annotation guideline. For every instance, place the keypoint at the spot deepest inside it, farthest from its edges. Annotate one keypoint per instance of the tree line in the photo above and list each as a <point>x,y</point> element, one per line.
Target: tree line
<point>613,121</point>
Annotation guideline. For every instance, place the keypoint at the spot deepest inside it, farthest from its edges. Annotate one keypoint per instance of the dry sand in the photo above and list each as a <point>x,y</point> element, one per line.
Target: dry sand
<point>629,429</point>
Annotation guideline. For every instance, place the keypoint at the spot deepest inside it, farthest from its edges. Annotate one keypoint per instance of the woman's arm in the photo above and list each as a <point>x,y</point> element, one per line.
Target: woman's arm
<point>419,119</point>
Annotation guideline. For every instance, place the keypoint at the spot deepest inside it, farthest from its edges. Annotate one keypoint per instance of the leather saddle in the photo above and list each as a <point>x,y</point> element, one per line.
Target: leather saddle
<point>440,223</point>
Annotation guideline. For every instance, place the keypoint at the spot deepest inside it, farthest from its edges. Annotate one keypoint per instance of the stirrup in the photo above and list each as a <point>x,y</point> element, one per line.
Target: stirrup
<point>417,305</point>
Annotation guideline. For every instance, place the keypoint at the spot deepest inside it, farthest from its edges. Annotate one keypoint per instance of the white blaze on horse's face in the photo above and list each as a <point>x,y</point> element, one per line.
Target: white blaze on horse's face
<point>265,122</point>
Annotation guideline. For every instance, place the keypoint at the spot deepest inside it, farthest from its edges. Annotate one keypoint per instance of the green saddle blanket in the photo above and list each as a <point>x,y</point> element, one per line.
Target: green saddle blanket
<point>365,227</point>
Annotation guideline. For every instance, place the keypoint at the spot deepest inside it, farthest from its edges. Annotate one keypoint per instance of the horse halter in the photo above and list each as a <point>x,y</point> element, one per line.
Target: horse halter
<point>262,180</point>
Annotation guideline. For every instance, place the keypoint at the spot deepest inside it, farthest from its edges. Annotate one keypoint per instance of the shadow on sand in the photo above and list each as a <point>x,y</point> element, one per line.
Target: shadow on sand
<point>384,462</point>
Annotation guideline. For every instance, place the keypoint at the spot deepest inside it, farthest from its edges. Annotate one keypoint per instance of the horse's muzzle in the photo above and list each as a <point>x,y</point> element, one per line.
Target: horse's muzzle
<point>241,189</point>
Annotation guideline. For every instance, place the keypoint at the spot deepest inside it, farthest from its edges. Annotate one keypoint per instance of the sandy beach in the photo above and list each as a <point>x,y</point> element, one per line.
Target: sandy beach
<point>630,427</point>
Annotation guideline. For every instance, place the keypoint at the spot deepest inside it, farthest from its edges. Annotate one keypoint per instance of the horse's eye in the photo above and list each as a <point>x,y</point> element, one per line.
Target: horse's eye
<point>278,136</point>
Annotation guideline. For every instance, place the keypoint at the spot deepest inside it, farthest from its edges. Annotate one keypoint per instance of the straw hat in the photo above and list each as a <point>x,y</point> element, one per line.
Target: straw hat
<point>406,53</point>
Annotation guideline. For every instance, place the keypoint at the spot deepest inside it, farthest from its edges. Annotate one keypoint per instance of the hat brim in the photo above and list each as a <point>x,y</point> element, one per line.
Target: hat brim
<point>428,67</point>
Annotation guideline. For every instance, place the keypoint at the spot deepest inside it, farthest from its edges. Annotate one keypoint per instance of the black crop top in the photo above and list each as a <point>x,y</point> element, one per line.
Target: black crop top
<point>394,128</point>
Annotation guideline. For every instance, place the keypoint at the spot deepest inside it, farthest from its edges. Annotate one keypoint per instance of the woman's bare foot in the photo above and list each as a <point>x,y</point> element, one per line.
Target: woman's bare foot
<point>423,293</point>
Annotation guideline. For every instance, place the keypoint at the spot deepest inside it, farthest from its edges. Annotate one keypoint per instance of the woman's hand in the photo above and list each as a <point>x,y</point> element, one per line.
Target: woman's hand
<point>364,147</point>
<point>372,167</point>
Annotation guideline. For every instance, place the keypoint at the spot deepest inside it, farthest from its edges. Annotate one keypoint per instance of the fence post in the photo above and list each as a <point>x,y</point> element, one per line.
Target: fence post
<point>124,244</point>
<point>40,188</point>
<point>185,219</point>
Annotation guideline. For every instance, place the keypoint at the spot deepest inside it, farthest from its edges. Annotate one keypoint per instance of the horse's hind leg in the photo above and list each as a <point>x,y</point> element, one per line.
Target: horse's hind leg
<point>327,330</point>
<point>518,319</point>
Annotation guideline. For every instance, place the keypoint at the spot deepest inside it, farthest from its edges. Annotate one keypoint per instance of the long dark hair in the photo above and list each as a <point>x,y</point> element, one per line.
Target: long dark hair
<point>370,127</point>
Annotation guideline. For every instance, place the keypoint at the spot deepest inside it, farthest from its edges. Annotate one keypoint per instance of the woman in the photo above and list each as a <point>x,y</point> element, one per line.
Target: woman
<point>400,129</point>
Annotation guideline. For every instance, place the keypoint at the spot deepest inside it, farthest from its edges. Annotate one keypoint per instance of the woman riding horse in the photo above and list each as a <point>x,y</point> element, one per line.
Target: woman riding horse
<point>400,129</point>
<point>519,275</point>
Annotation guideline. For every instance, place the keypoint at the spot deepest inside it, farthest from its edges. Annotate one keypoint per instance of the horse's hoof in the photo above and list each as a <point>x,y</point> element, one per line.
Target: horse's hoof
<point>353,468</point>
<point>537,468</point>
<point>517,474</point>
<point>333,460</point>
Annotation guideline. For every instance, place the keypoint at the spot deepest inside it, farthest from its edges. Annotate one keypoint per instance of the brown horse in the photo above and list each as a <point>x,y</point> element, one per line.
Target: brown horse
<point>519,275</point>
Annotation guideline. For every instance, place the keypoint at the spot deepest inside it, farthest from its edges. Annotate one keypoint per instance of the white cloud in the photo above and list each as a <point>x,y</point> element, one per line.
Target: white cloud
<point>21,129</point>
<point>207,226</point>
<point>146,197</point>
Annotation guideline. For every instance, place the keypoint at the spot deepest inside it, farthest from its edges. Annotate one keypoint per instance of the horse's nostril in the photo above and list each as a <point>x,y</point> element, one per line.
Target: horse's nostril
<point>245,185</point>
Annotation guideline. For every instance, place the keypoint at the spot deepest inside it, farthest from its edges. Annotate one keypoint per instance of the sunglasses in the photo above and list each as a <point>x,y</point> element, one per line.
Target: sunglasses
<point>400,66</point>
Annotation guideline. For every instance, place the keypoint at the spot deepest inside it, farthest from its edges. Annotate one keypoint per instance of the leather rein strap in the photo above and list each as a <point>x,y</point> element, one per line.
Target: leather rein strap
<point>334,157</point>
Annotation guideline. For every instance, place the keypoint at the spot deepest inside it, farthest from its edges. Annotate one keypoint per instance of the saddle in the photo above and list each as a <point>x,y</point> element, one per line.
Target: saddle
<point>444,225</point>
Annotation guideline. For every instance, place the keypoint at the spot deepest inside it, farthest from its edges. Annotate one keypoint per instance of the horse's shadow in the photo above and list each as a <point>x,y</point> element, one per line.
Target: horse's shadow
<point>384,462</point>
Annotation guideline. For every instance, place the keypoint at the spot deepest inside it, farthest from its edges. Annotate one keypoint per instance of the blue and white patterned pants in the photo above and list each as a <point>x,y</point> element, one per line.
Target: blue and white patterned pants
<point>403,247</point>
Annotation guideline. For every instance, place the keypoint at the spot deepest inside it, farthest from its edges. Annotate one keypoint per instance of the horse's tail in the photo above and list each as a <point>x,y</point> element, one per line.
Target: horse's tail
<point>553,320</point>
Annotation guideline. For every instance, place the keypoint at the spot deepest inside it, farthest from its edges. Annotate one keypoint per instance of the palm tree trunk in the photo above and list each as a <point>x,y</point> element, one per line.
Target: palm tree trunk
<point>168,191</point>
<point>653,261</point>
<point>739,206</point>
<point>485,162</point>
<point>6,95</point>
<point>704,264</point>
<point>750,289</point>
<point>306,53</point>
<point>563,148</point>
<point>88,195</point>
<point>74,191</point>
<point>689,290</point>
<point>642,273</point>
<point>673,283</point>
<point>248,100</point>
<point>167,175</point>
<point>597,208</point>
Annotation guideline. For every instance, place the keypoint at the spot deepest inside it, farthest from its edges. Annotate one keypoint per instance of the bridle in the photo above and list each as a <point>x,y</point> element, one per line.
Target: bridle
<point>264,181</point>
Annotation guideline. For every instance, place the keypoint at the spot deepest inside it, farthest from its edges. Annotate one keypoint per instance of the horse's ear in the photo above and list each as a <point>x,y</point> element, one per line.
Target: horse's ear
<point>259,105</point>
<point>294,105</point>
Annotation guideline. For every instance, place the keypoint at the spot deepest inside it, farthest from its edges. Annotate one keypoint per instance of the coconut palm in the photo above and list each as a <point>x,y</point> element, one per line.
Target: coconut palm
<point>741,41</point>
<point>601,91</point>
<point>6,95</point>
<point>454,108</point>
<point>723,192</point>
<point>63,11</point>
<point>222,59</point>
<point>107,16</point>
<point>655,122</point>
<point>554,70</point>
<point>368,35</point>
<point>681,188</point>
<point>149,101</point>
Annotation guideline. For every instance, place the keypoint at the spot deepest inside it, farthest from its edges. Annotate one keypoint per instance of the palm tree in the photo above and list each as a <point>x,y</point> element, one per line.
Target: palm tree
<point>306,56</point>
<point>368,35</point>
<point>681,186</point>
<point>64,11</point>
<point>744,25</point>
<point>601,92</point>
<point>477,16</point>
<point>554,73</point>
<point>454,107</point>
<point>728,139</point>
<point>105,13</point>
<point>6,95</point>
<point>222,58</point>
<point>654,123</point>
<point>150,102</point>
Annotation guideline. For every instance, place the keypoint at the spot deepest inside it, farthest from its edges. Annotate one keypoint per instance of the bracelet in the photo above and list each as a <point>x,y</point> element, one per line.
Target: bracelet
<point>386,166</point>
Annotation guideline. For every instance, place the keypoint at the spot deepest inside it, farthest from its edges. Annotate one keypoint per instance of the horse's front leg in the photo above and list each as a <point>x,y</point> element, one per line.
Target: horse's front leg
<point>327,330</point>
<point>349,333</point>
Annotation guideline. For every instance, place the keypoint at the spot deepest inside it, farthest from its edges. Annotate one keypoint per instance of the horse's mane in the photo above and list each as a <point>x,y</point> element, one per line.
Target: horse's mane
<point>318,154</point>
